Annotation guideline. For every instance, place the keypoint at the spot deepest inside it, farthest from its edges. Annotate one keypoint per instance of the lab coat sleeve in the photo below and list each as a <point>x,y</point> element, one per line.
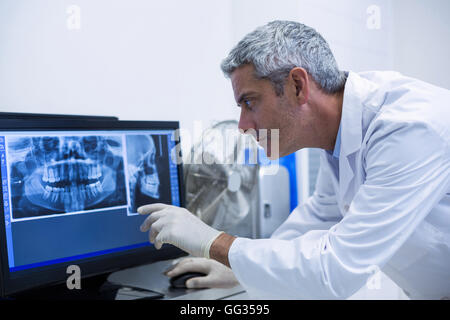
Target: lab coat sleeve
<point>318,212</point>
<point>407,173</point>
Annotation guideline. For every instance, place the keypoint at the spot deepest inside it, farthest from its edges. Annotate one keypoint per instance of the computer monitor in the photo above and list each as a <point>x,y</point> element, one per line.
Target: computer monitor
<point>70,190</point>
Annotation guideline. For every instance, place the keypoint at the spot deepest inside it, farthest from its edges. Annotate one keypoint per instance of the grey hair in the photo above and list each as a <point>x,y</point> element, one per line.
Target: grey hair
<point>279,46</point>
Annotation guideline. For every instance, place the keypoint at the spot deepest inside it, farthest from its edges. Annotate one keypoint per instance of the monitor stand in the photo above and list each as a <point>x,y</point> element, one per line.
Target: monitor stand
<point>92,288</point>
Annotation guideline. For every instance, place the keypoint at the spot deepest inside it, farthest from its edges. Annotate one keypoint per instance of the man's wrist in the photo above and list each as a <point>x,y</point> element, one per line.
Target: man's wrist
<point>220,247</point>
<point>207,247</point>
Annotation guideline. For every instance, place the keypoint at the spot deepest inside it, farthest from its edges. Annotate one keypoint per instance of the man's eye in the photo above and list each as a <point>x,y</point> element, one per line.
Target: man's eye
<point>247,103</point>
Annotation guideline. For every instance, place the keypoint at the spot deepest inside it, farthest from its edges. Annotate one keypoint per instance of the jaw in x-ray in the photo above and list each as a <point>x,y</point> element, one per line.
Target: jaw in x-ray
<point>144,182</point>
<point>61,174</point>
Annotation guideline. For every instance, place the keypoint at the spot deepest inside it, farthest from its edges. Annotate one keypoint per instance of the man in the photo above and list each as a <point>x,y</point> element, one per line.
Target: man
<point>382,199</point>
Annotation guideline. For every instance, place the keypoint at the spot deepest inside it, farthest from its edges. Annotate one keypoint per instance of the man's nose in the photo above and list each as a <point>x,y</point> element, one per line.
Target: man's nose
<point>245,123</point>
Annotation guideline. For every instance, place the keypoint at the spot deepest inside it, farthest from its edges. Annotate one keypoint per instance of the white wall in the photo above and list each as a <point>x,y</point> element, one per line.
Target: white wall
<point>357,43</point>
<point>422,32</point>
<point>138,59</point>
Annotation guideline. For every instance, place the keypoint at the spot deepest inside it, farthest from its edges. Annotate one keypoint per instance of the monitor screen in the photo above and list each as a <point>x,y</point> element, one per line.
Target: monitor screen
<point>71,195</point>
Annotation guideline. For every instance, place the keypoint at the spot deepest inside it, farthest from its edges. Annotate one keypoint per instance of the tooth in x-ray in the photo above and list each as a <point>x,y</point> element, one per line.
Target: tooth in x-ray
<point>66,173</point>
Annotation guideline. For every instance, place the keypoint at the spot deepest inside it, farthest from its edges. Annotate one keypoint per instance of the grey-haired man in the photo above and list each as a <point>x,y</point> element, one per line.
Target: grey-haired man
<point>382,198</point>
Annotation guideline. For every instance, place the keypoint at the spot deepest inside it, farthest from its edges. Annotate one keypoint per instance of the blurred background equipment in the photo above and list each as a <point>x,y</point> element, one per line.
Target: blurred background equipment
<point>229,188</point>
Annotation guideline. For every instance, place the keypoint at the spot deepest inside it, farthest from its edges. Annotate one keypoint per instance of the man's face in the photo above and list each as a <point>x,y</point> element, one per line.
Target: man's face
<point>261,109</point>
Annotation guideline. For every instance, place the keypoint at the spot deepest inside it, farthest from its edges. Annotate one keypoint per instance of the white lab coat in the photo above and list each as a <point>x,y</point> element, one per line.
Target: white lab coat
<point>388,210</point>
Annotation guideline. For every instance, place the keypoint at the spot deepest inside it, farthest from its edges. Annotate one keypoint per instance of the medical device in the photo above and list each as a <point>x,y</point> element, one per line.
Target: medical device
<point>233,187</point>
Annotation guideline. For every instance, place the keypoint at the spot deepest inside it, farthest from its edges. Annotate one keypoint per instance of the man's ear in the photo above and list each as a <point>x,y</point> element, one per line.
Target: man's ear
<point>300,81</point>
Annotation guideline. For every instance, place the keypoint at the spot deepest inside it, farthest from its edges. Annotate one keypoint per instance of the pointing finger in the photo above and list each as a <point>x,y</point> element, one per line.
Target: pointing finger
<point>150,208</point>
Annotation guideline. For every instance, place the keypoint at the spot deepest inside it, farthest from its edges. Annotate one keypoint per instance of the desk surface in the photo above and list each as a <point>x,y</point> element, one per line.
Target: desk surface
<point>151,277</point>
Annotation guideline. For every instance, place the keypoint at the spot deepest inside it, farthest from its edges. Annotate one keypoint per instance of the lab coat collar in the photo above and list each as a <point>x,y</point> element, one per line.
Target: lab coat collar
<point>358,92</point>
<point>351,116</point>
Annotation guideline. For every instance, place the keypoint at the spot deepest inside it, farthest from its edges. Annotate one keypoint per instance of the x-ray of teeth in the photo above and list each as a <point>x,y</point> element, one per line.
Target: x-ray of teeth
<point>148,172</point>
<point>62,174</point>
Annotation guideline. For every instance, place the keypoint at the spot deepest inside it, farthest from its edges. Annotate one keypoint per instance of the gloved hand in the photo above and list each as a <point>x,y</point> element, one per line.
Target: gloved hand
<point>217,274</point>
<point>179,227</point>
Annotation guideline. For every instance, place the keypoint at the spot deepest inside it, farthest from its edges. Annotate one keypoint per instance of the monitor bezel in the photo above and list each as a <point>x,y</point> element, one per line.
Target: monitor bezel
<point>57,274</point>
<point>53,116</point>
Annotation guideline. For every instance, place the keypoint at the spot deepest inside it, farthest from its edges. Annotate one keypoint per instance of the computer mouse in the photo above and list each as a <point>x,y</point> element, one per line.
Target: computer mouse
<point>179,281</point>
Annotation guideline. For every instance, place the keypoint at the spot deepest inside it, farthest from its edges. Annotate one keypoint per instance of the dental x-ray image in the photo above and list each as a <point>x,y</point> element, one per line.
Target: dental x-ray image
<point>65,174</point>
<point>148,170</point>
